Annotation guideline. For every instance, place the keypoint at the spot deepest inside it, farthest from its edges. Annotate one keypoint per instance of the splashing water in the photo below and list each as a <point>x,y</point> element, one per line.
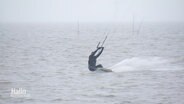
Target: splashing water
<point>145,63</point>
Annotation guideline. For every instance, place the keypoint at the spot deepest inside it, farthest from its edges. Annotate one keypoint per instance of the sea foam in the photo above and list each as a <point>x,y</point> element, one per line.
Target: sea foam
<point>145,63</point>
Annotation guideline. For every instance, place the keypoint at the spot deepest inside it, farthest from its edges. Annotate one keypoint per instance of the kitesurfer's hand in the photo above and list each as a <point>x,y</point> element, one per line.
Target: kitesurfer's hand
<point>100,47</point>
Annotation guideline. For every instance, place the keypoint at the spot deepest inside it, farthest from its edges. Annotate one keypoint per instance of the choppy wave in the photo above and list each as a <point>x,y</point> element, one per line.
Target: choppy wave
<point>146,63</point>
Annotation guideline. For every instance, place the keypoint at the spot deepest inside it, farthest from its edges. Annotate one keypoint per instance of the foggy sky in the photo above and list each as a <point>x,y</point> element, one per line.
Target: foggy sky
<point>91,10</point>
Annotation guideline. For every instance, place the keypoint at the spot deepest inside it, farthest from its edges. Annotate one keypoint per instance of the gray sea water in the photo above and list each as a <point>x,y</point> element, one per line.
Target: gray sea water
<point>50,63</point>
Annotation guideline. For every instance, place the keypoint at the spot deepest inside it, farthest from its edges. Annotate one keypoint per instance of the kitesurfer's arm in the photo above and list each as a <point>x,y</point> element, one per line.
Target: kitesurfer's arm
<point>93,53</point>
<point>102,48</point>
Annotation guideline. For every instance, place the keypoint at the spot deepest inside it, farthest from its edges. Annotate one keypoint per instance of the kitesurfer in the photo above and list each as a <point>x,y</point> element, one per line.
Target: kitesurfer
<point>93,58</point>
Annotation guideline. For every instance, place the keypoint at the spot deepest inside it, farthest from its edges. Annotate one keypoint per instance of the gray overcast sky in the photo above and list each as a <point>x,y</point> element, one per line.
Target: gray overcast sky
<point>91,10</point>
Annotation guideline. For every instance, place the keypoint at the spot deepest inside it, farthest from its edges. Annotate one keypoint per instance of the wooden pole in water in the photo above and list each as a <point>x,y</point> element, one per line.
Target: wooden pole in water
<point>133,27</point>
<point>78,29</point>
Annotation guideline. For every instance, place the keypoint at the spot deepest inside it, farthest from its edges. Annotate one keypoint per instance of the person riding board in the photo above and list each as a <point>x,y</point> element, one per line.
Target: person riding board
<point>93,57</point>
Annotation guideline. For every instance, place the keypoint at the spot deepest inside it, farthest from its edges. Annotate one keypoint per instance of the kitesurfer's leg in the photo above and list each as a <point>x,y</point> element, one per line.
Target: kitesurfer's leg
<point>99,66</point>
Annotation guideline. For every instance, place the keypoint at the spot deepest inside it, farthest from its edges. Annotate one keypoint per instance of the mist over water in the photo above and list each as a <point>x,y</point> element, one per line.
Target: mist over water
<point>50,62</point>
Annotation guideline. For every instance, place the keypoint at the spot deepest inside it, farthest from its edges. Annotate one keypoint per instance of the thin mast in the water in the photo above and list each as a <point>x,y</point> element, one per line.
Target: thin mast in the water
<point>78,29</point>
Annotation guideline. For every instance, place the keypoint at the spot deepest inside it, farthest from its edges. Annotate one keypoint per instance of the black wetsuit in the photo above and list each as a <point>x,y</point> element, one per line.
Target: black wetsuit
<point>92,59</point>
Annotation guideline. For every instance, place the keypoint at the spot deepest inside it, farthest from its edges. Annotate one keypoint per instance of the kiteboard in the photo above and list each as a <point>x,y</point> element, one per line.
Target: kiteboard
<point>104,69</point>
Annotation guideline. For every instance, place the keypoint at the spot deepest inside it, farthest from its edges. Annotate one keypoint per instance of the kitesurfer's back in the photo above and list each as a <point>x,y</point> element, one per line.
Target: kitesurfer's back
<point>93,57</point>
